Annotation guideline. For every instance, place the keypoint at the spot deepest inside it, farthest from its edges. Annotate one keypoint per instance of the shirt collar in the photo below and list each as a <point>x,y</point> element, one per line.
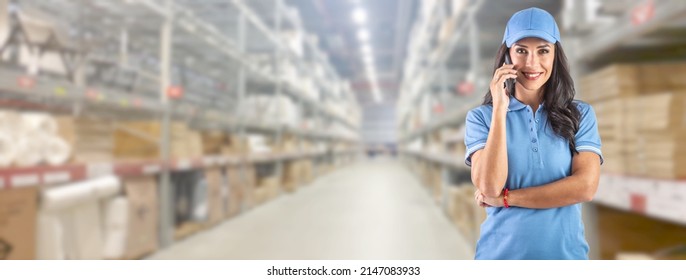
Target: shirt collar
<point>518,105</point>
<point>515,104</point>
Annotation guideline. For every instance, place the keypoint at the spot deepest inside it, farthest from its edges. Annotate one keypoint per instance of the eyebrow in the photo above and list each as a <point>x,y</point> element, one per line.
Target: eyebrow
<point>539,47</point>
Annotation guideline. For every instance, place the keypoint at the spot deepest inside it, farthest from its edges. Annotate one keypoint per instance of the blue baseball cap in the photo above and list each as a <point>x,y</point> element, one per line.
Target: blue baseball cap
<point>531,22</point>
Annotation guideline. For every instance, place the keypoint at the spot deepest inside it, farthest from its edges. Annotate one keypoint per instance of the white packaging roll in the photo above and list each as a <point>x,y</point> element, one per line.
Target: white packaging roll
<point>70,195</point>
<point>114,246</point>
<point>107,186</point>
<point>56,151</point>
<point>7,150</point>
<point>29,148</point>
<point>115,227</point>
<point>116,212</point>
<point>40,122</point>
<point>50,238</point>
<point>11,121</point>
<point>87,232</point>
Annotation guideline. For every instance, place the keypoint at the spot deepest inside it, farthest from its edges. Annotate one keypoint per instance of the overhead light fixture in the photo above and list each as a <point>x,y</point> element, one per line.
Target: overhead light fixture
<point>363,35</point>
<point>369,59</point>
<point>359,16</point>
<point>366,50</point>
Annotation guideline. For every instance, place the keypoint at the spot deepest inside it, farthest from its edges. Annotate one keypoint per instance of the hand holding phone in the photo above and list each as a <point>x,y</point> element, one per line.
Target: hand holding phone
<point>509,83</point>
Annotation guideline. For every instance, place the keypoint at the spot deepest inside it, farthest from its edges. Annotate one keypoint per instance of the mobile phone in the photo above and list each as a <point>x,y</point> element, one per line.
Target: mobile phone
<point>509,83</point>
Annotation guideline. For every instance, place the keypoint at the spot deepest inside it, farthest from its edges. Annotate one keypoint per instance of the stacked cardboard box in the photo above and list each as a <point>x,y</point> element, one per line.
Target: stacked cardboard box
<point>267,189</point>
<point>306,173</point>
<point>216,198</point>
<point>213,142</point>
<point>185,143</point>
<point>137,140</point>
<point>91,140</point>
<point>633,104</point>
<point>234,146</point>
<point>661,130</point>
<point>236,191</point>
<point>140,140</point>
<point>291,175</point>
<point>621,231</point>
<point>18,223</point>
<point>249,180</point>
<point>143,216</point>
<point>464,212</point>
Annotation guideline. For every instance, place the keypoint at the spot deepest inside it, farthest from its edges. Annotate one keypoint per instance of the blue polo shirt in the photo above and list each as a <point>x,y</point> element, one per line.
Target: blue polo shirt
<point>536,156</point>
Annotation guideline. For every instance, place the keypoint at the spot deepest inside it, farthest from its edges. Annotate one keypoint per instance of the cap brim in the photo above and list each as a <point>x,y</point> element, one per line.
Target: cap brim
<point>527,34</point>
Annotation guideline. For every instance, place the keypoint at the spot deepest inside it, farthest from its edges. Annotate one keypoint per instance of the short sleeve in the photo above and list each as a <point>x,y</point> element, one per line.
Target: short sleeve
<point>587,138</point>
<point>476,133</point>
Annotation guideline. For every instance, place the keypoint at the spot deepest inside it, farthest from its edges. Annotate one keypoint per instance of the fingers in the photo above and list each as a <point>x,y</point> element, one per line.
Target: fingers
<point>501,74</point>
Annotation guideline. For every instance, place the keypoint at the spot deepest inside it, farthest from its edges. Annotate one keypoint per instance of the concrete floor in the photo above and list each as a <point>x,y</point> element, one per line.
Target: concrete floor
<point>373,209</point>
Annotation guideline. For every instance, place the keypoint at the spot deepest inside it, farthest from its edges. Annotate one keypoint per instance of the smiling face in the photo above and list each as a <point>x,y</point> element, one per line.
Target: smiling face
<point>533,58</point>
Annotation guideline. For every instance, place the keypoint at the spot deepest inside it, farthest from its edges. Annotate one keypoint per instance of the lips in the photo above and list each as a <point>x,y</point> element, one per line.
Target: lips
<point>532,76</point>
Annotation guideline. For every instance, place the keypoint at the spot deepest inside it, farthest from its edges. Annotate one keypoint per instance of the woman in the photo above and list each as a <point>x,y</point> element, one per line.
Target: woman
<point>534,152</point>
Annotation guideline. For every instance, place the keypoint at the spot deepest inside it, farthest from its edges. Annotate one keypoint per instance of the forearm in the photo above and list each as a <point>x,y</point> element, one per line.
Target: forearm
<point>568,191</point>
<point>491,172</point>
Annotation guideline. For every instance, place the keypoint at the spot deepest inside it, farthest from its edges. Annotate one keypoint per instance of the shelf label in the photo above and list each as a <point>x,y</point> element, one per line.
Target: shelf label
<point>60,91</point>
<point>175,92</point>
<point>26,82</point>
<point>151,169</point>
<point>56,177</point>
<point>642,13</point>
<point>91,94</point>
<point>638,203</point>
<point>25,180</point>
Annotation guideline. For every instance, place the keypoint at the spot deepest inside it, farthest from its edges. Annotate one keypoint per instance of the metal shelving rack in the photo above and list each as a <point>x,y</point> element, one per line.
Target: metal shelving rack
<point>635,31</point>
<point>440,59</point>
<point>163,43</point>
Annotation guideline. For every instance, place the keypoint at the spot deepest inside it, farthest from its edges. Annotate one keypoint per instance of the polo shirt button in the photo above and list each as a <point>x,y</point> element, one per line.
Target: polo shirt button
<point>536,121</point>
<point>535,149</point>
<point>533,140</point>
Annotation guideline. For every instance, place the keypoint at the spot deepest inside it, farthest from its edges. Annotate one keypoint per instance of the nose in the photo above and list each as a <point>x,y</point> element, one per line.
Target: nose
<point>531,59</point>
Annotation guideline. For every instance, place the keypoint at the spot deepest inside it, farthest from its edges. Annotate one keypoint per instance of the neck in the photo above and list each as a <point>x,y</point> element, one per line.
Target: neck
<point>533,98</point>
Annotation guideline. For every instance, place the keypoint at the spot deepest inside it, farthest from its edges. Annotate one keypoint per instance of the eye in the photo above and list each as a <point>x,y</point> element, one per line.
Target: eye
<point>522,51</point>
<point>544,51</point>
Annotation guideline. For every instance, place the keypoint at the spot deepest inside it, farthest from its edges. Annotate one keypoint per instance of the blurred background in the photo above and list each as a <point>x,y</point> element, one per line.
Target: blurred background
<point>310,129</point>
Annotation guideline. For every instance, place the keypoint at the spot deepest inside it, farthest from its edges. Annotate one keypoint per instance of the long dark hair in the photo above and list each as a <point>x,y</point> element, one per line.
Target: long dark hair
<point>558,94</point>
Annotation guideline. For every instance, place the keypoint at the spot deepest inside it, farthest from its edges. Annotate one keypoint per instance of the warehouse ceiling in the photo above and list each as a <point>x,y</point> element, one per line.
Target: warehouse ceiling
<point>388,22</point>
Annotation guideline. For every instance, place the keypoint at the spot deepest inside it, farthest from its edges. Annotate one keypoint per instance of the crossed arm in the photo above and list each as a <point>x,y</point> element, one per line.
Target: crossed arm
<point>579,187</point>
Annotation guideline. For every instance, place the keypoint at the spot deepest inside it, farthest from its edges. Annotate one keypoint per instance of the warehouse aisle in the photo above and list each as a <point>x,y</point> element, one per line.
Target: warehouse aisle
<point>373,209</point>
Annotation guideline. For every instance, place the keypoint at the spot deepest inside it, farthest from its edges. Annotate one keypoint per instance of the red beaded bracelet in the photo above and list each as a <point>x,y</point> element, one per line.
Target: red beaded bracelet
<point>505,198</point>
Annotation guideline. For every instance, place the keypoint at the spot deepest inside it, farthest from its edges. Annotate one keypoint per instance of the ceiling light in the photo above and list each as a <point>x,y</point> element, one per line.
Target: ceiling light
<point>359,16</point>
<point>363,35</point>
<point>366,50</point>
<point>369,59</point>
